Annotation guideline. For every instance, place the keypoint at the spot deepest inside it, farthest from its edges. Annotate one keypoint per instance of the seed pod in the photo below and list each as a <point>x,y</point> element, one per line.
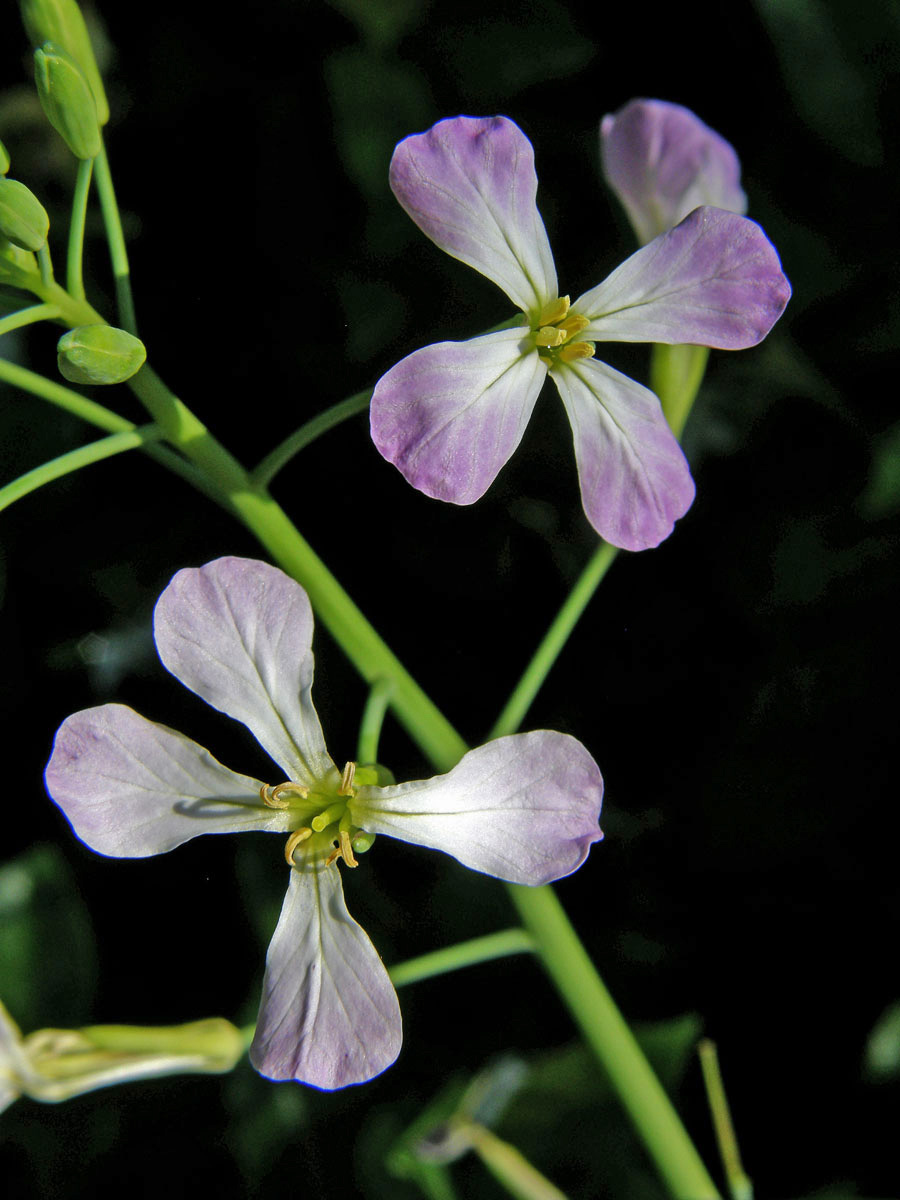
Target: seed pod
<point>23,219</point>
<point>99,354</point>
<point>60,21</point>
<point>67,100</point>
<point>4,160</point>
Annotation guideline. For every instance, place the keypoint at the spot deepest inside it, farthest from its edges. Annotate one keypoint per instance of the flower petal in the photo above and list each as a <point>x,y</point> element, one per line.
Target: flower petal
<point>663,162</point>
<point>450,415</point>
<point>523,808</point>
<point>635,481</point>
<point>713,280</point>
<point>238,632</point>
<point>131,788</point>
<point>469,184</point>
<point>329,1014</point>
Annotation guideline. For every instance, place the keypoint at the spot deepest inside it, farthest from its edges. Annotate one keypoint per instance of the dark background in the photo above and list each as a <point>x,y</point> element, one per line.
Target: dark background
<point>735,685</point>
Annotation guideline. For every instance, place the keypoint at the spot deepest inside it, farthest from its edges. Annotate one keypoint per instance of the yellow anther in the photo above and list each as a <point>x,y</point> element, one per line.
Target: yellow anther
<point>553,311</point>
<point>298,836</point>
<point>550,336</point>
<point>277,797</point>
<point>347,849</point>
<point>574,324</point>
<point>576,350</point>
<point>346,788</point>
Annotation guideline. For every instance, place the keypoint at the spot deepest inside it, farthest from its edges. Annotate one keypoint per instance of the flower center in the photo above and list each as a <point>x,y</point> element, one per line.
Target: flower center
<point>326,830</point>
<point>556,327</point>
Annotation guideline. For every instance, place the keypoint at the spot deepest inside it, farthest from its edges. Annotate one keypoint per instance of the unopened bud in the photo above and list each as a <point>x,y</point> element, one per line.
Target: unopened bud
<point>17,267</point>
<point>23,219</point>
<point>67,100</point>
<point>61,22</point>
<point>4,160</point>
<point>97,354</point>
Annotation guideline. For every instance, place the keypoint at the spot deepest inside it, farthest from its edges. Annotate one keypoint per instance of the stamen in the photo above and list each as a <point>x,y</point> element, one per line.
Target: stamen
<point>347,849</point>
<point>298,836</point>
<point>553,311</point>
<point>275,797</point>
<point>574,324</point>
<point>346,788</point>
<point>576,350</point>
<point>550,336</point>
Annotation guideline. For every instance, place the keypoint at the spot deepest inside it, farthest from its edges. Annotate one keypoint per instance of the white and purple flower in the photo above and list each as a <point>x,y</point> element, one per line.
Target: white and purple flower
<point>450,415</point>
<point>238,633</point>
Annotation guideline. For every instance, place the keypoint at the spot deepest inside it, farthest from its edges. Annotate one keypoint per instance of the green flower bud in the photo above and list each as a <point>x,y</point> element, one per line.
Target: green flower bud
<point>23,219</point>
<point>4,160</point>
<point>17,267</point>
<point>67,100</point>
<point>99,354</point>
<point>61,22</point>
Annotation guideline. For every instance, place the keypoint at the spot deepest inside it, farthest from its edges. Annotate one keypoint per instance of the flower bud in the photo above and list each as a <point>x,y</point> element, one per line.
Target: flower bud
<point>23,219</point>
<point>4,160</point>
<point>17,267</point>
<point>99,354</point>
<point>67,100</point>
<point>61,22</point>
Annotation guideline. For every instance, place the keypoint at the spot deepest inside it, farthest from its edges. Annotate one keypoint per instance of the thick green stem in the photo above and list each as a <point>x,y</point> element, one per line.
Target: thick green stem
<point>266,471</point>
<point>74,281</point>
<point>553,641</point>
<point>605,1030</point>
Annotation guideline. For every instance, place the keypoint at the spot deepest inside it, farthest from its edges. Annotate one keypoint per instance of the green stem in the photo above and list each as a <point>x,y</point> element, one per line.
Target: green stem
<point>265,472</point>
<point>28,316</point>
<point>553,641</point>
<point>464,954</point>
<point>74,460</point>
<point>738,1184</point>
<point>508,1165</point>
<point>676,373</point>
<point>118,254</point>
<point>45,262</point>
<point>372,719</point>
<point>74,281</point>
<point>587,998</point>
<point>102,418</point>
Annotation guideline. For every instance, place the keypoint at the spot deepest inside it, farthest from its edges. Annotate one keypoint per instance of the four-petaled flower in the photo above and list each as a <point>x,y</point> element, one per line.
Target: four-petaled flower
<point>450,415</point>
<point>238,633</point>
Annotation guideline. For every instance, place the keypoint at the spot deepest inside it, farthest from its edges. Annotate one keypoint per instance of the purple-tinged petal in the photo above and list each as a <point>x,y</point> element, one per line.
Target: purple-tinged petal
<point>523,808</point>
<point>329,1014</point>
<point>469,184</point>
<point>635,481</point>
<point>663,162</point>
<point>238,632</point>
<point>131,788</point>
<point>713,280</point>
<point>450,415</point>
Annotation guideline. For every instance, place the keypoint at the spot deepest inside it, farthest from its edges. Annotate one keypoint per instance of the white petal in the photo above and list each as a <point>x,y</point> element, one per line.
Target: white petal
<point>329,1014</point>
<point>238,632</point>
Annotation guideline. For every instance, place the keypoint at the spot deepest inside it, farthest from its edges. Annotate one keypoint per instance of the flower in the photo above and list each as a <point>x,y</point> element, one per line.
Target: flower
<point>238,633</point>
<point>450,415</point>
<point>56,1064</point>
<point>663,162</point>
